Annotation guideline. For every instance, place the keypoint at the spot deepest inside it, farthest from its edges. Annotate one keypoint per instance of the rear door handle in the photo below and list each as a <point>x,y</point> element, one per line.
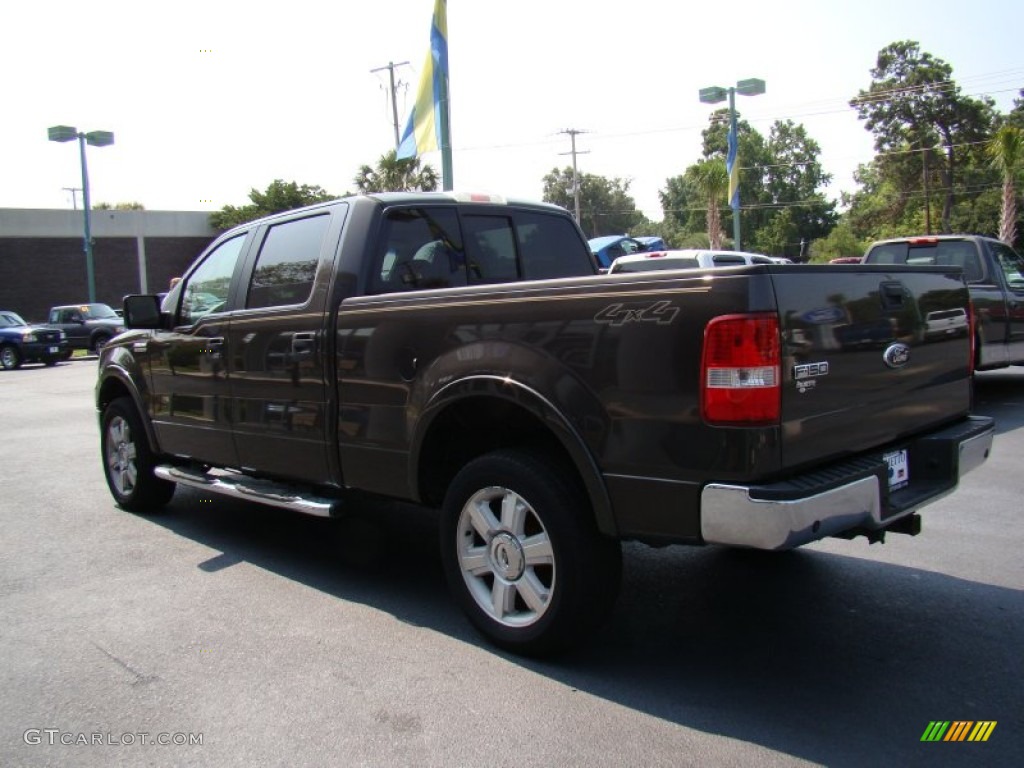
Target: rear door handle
<point>303,345</point>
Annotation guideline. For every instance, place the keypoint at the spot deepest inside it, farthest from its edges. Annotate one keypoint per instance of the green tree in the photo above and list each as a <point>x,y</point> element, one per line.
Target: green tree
<point>279,196</point>
<point>841,241</point>
<point>681,204</point>
<point>778,235</point>
<point>605,205</point>
<point>711,179</point>
<point>780,174</point>
<point>913,106</point>
<point>753,158</point>
<point>1016,116</point>
<point>1006,150</point>
<point>132,206</point>
<point>793,181</point>
<point>394,175</point>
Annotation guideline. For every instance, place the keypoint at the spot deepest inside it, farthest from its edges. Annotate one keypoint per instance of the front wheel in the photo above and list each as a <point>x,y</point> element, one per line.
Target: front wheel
<point>128,462</point>
<point>523,555</point>
<point>10,357</point>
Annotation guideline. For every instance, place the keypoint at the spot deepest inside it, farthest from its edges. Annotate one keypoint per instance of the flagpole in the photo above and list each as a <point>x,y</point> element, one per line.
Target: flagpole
<point>444,118</point>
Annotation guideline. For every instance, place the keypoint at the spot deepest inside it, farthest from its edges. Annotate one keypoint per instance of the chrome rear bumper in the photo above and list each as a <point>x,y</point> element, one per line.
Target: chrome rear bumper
<point>786,515</point>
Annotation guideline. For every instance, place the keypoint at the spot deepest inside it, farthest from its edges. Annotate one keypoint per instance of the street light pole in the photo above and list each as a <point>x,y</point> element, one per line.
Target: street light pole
<point>86,209</point>
<point>734,171</point>
<point>714,95</point>
<point>64,133</point>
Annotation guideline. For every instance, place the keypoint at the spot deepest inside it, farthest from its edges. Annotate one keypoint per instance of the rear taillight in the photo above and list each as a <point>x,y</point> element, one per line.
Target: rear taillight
<point>740,370</point>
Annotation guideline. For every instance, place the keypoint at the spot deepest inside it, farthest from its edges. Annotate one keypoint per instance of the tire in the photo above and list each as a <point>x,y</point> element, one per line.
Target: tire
<point>66,354</point>
<point>128,461</point>
<point>49,362</point>
<point>523,555</point>
<point>10,357</point>
<point>98,342</point>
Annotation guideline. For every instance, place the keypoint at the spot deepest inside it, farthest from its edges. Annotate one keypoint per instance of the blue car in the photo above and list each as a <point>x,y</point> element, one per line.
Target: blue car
<point>608,248</point>
<point>24,343</point>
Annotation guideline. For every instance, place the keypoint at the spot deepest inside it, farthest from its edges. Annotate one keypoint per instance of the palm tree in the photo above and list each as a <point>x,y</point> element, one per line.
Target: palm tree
<point>394,175</point>
<point>1006,150</point>
<point>712,182</point>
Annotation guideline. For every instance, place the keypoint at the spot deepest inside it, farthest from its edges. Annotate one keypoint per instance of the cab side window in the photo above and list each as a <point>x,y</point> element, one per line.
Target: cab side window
<point>421,248</point>
<point>206,289</point>
<point>286,265</point>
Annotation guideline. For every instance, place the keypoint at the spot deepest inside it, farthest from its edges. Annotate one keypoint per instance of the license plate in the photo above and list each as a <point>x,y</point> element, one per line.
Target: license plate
<point>899,469</point>
<point>54,350</point>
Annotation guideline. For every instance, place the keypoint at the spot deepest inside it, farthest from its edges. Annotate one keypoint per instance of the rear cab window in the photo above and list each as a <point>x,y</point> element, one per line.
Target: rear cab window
<point>436,247</point>
<point>959,253</point>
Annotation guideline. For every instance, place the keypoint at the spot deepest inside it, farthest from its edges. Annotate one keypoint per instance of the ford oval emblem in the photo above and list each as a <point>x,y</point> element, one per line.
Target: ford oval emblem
<point>896,355</point>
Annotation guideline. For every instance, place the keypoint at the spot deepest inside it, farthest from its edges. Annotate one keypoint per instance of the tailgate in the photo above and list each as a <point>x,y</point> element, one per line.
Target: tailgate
<point>871,355</point>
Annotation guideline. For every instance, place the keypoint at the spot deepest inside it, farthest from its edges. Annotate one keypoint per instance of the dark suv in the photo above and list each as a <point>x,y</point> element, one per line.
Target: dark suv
<point>88,326</point>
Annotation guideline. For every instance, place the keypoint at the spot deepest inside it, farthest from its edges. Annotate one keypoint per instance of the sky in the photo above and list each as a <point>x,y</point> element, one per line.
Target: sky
<point>208,100</point>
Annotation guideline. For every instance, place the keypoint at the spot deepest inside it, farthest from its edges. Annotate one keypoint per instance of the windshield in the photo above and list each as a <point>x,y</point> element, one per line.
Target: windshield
<point>10,320</point>
<point>98,311</point>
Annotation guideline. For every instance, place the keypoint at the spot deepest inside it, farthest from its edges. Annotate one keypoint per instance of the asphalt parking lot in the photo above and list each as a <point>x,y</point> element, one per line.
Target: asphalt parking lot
<point>243,636</point>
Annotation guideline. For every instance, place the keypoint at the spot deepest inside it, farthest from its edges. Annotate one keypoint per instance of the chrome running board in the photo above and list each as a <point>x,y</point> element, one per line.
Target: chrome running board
<point>239,486</point>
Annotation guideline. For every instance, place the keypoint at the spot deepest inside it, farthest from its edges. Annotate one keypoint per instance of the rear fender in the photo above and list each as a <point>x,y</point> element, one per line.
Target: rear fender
<point>553,419</point>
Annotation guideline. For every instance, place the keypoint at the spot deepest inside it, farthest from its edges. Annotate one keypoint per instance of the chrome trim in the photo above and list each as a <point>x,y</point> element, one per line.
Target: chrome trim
<point>974,451</point>
<point>240,486</point>
<point>730,516</point>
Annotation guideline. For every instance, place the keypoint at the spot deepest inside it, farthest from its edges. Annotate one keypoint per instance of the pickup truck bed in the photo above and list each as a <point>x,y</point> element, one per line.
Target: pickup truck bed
<point>548,411</point>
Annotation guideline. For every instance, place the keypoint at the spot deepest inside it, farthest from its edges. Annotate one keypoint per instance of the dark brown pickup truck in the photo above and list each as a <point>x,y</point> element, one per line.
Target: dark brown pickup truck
<point>994,274</point>
<point>463,353</point>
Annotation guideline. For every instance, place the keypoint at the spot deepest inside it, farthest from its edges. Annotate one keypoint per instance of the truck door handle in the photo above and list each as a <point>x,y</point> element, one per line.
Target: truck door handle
<point>215,346</point>
<point>303,345</point>
<point>891,294</point>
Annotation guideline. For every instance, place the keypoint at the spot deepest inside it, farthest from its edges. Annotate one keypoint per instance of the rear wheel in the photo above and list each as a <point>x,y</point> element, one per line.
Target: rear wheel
<point>523,555</point>
<point>10,357</point>
<point>128,462</point>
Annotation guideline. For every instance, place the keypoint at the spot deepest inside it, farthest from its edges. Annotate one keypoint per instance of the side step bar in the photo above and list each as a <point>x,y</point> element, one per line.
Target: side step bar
<point>242,486</point>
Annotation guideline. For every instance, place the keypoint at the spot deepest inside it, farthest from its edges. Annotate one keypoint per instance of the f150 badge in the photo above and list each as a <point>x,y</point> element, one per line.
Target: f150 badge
<point>805,374</point>
<point>660,312</point>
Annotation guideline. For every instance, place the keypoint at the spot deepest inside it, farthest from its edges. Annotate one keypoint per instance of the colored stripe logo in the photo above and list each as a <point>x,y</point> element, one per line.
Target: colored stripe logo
<point>958,730</point>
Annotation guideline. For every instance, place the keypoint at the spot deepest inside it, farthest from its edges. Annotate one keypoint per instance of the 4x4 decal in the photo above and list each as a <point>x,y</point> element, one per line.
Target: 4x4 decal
<point>660,312</point>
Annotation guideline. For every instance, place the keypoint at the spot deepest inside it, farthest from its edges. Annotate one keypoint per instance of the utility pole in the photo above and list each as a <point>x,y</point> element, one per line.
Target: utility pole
<point>394,102</point>
<point>74,196</point>
<point>573,132</point>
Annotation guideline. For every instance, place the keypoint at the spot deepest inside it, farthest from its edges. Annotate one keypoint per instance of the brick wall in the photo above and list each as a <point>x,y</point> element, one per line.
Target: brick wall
<point>37,273</point>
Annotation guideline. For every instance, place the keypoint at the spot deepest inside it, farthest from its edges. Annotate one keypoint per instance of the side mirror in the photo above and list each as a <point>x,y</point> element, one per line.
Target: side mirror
<point>142,311</point>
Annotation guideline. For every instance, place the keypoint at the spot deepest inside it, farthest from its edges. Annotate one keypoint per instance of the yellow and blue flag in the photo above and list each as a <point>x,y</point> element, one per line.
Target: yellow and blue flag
<point>427,129</point>
<point>733,168</point>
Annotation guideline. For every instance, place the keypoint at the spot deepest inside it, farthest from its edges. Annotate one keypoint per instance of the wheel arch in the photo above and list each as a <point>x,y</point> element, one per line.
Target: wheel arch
<point>117,382</point>
<point>479,414</point>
